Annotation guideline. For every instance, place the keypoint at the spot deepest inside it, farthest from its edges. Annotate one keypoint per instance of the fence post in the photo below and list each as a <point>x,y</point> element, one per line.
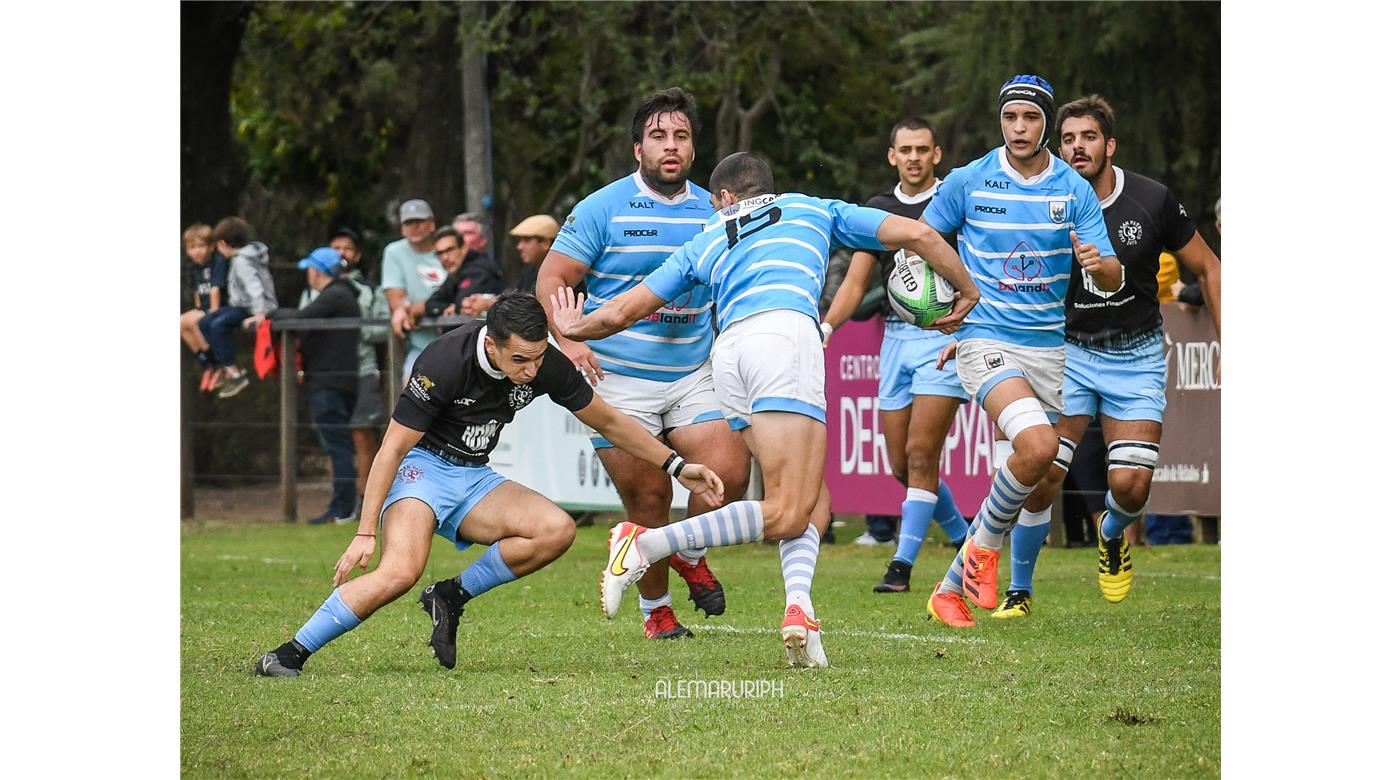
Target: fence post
<point>186,437</point>
<point>1057,521</point>
<point>396,353</point>
<point>288,385</point>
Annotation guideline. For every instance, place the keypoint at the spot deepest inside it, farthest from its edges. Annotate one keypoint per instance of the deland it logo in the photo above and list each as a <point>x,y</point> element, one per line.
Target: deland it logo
<point>1024,266</point>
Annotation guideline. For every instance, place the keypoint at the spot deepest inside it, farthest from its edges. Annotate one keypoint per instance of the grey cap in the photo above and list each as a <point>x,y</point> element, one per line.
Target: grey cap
<point>414,209</point>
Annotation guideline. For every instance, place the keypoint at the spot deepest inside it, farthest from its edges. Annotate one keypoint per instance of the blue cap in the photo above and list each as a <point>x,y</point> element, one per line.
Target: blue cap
<point>325,260</point>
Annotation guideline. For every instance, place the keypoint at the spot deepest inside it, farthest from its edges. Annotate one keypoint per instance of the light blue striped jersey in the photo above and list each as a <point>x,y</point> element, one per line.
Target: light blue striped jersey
<point>622,232</point>
<point>1014,239</point>
<point>767,252</point>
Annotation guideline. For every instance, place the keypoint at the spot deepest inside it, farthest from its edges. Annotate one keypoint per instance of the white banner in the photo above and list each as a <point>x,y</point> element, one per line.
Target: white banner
<point>548,450</point>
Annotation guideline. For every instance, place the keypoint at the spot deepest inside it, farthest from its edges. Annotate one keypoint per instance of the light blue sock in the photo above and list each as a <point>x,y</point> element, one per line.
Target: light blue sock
<point>486,572</point>
<point>1027,537</point>
<point>946,514</point>
<point>915,514</point>
<point>330,621</point>
<point>953,581</point>
<point>1118,518</point>
<point>736,523</point>
<point>999,509</point>
<point>648,605</point>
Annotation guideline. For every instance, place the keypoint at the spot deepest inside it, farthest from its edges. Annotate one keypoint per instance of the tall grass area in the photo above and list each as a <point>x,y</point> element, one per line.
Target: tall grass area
<point>545,686</point>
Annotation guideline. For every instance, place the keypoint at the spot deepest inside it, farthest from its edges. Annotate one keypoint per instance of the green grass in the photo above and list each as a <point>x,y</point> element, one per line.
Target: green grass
<point>545,686</point>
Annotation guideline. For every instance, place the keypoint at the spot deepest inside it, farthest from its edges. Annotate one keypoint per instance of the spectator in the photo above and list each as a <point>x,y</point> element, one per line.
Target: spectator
<point>468,226</point>
<point>534,236</point>
<point>411,273</point>
<point>369,402</point>
<point>331,366</point>
<point>211,278</point>
<point>880,529</point>
<point>474,282</point>
<point>250,292</point>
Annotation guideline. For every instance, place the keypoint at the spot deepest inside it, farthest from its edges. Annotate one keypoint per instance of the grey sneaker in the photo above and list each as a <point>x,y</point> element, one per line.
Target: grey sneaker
<point>236,381</point>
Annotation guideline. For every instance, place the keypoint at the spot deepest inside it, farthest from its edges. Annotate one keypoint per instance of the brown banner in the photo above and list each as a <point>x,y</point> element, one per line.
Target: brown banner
<point>1187,480</point>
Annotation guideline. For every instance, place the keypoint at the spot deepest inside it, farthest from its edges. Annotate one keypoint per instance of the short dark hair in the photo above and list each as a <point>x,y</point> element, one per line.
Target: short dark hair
<point>743,174</point>
<point>346,233</point>
<point>912,123</point>
<point>447,231</point>
<point>468,216</point>
<point>516,313</point>
<point>1093,106</point>
<point>666,101</point>
<point>233,231</point>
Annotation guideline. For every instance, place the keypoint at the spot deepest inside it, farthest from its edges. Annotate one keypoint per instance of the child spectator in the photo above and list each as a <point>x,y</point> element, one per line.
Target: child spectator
<point>250,292</point>
<point>209,291</point>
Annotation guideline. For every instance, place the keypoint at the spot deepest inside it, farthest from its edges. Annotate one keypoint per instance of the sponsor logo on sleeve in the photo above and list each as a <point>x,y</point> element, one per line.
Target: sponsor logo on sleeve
<point>420,385</point>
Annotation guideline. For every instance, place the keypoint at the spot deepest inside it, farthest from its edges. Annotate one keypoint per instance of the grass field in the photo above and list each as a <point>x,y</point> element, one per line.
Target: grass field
<point>545,686</point>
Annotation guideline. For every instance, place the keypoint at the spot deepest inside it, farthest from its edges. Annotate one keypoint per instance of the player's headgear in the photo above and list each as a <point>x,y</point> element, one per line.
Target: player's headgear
<point>1034,90</point>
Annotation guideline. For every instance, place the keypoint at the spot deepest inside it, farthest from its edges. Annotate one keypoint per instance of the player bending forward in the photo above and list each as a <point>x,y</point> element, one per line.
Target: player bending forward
<point>764,257</point>
<point>430,475</point>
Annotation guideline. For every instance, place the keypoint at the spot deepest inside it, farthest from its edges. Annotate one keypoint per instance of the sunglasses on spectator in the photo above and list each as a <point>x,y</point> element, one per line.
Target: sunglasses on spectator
<point>441,253</point>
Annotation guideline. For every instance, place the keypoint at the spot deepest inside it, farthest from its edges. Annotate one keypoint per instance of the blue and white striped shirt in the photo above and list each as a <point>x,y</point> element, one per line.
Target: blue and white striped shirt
<point>1014,239</point>
<point>767,252</point>
<point>622,232</point>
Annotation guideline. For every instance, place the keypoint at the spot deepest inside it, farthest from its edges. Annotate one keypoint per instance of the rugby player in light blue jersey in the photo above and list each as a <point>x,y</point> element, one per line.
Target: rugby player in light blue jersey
<point>657,370</point>
<point>1023,217</point>
<point>1114,363</point>
<point>763,258</point>
<point>917,401</point>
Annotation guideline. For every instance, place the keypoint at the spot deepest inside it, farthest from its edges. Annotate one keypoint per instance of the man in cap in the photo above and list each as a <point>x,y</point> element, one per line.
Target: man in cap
<point>533,238</point>
<point>1024,218</point>
<point>410,273</point>
<point>331,365</point>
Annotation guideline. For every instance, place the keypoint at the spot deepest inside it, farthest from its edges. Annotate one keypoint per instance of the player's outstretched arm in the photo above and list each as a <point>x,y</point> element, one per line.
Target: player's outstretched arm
<point>629,436</point>
<point>398,440</point>
<point>848,295</point>
<point>615,315</point>
<point>560,270</point>
<point>1201,261</point>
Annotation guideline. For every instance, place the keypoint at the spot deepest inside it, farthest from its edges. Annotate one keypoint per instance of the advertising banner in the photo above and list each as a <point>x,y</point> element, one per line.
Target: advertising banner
<point>1187,479</point>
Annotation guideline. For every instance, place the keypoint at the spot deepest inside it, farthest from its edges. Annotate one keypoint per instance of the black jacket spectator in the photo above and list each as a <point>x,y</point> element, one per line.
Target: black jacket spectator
<point>478,274</point>
<point>330,358</point>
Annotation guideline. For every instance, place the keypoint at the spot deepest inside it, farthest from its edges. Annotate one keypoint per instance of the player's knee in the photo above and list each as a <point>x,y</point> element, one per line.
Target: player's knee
<point>557,532</point>
<point>1038,445</point>
<point>922,461</point>
<point>1024,422</point>
<point>398,578</point>
<point>1130,487</point>
<point>646,508</point>
<point>785,521</point>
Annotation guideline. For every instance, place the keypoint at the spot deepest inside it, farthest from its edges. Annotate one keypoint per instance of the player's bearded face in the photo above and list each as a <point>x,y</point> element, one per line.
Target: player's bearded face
<point>1021,125</point>
<point>518,359</point>
<point>666,151</point>
<point>1083,146</point>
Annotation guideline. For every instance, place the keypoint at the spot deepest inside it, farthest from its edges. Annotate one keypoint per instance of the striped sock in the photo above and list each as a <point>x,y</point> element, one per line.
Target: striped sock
<point>737,523</point>
<point>330,621</point>
<point>952,581</point>
<point>1026,540</point>
<point>486,572</point>
<point>946,514</point>
<point>999,509</point>
<point>691,557</point>
<point>915,515</point>
<point>648,605</point>
<point>799,559</point>
<point>1118,518</point>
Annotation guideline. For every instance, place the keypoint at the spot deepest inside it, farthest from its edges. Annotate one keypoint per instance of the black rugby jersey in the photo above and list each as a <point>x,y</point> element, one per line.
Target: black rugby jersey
<point>461,402</point>
<point>889,201</point>
<point>1143,218</point>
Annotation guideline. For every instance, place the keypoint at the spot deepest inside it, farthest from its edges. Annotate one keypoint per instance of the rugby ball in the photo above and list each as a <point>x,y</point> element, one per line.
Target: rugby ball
<point>917,294</point>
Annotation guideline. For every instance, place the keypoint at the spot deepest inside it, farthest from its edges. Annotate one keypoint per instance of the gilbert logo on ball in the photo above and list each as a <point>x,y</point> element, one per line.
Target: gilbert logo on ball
<point>917,294</point>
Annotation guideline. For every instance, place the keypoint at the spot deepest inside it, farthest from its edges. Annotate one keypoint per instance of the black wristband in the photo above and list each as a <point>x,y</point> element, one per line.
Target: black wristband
<point>673,465</point>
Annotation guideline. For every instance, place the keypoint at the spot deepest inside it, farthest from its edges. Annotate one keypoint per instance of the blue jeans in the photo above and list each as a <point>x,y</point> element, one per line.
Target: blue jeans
<point>330,417</point>
<point>882,527</point>
<point>218,328</point>
<point>1169,529</point>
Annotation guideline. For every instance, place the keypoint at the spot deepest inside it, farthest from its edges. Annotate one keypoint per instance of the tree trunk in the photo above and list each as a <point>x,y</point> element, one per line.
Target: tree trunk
<point>476,120</point>
<point>431,163</point>
<point>211,176</point>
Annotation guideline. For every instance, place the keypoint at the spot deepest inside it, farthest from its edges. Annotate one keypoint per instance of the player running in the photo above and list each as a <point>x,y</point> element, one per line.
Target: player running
<point>1115,366</point>
<point>431,475</point>
<point>657,370</point>
<point>917,400</point>
<point>763,257</point>
<point>1024,219</point>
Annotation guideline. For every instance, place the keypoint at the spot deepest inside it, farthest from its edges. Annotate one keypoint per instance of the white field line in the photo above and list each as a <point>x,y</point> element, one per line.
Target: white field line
<point>246,558</point>
<point>934,638</point>
<point>1150,574</point>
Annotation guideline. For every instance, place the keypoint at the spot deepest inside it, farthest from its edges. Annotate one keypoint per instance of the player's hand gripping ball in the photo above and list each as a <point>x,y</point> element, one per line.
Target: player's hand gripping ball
<point>918,295</point>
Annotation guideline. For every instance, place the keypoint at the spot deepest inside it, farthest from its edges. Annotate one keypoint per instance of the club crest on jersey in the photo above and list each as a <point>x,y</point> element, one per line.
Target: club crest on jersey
<point>520,396</point>
<point>1059,211</point>
<point>1130,232</point>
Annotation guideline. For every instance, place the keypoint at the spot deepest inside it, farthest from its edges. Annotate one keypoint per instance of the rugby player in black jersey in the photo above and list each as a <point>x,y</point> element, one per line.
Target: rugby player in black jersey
<point>1115,366</point>
<point>431,475</point>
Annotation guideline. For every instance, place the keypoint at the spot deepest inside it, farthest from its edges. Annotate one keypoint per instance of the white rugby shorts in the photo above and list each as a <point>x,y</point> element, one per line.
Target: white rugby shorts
<point>983,364</point>
<point>771,361</point>
<point>660,406</point>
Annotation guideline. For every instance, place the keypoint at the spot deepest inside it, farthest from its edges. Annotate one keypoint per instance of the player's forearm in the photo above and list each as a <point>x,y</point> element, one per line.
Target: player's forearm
<point>1110,274</point>
<point>1210,289</point>
<point>601,323</point>
<point>852,289</point>
<point>926,242</point>
<point>629,436</point>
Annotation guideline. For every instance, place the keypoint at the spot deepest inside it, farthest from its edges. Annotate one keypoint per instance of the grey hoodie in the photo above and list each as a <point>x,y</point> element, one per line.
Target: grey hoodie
<point>250,280</point>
